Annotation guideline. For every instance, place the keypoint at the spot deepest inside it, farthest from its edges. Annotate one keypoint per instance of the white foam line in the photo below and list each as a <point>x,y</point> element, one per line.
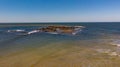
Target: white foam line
<point>34,31</point>
<point>18,30</point>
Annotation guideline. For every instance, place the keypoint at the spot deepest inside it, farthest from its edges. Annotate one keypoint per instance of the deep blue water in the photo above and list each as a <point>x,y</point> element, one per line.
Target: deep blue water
<point>13,41</point>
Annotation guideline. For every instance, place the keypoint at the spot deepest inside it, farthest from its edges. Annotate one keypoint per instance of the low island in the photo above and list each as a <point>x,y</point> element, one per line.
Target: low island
<point>59,29</point>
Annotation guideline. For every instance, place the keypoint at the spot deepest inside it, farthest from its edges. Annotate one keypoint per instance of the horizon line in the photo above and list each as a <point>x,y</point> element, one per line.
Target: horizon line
<point>66,22</point>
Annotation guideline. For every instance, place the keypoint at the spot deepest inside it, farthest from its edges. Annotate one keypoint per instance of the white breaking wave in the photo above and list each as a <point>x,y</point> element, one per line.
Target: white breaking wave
<point>34,31</point>
<point>18,30</point>
<point>116,43</point>
<point>74,33</point>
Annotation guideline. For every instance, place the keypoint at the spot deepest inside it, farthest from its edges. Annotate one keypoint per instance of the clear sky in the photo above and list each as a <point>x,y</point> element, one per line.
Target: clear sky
<point>59,10</point>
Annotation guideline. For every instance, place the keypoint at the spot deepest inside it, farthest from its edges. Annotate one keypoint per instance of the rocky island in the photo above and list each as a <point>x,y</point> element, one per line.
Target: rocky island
<point>59,29</point>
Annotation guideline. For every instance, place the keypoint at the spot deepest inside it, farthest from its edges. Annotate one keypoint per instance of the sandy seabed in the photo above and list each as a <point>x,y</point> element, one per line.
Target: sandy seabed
<point>62,55</point>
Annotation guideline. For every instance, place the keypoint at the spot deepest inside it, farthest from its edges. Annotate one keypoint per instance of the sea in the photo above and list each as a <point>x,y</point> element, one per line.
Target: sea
<point>97,45</point>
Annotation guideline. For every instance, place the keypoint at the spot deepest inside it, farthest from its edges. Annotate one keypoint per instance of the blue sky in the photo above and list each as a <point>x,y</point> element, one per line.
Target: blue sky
<point>59,10</point>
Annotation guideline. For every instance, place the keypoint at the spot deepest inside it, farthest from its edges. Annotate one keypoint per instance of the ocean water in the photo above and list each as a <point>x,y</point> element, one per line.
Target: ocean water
<point>97,45</point>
